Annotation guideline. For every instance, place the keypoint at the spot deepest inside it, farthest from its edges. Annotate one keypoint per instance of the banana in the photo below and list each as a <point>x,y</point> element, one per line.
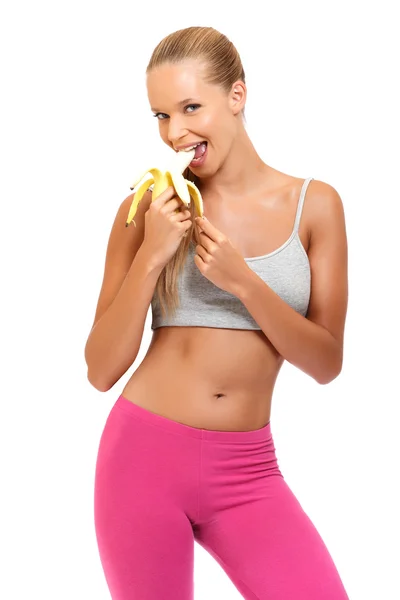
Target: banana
<point>186,190</point>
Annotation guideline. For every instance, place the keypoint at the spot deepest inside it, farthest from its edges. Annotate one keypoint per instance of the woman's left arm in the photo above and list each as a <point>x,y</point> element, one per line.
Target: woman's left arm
<point>313,343</point>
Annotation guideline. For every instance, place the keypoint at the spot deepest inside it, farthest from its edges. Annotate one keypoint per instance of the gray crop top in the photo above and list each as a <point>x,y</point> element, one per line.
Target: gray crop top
<point>202,304</point>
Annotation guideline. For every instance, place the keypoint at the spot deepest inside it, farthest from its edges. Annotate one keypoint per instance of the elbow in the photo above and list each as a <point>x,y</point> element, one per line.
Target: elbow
<point>104,384</point>
<point>93,379</point>
<point>97,377</point>
<point>326,380</point>
<point>97,381</point>
<point>98,385</point>
<point>104,379</point>
<point>330,374</point>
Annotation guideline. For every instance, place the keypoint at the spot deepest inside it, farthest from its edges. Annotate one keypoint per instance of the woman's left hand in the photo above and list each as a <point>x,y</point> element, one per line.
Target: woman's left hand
<point>218,260</point>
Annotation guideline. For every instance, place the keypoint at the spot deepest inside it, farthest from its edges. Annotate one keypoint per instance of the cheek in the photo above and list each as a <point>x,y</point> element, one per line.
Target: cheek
<point>163,131</point>
<point>207,122</point>
<point>211,126</point>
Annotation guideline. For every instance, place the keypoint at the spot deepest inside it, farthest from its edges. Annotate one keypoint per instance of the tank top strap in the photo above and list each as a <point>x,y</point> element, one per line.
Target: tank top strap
<point>301,202</point>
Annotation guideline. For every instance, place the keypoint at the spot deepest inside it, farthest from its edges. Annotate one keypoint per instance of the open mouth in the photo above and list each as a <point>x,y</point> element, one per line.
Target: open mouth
<point>193,147</point>
<point>200,151</point>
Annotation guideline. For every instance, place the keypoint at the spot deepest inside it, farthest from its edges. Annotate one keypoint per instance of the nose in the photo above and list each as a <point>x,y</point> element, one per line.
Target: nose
<point>176,130</point>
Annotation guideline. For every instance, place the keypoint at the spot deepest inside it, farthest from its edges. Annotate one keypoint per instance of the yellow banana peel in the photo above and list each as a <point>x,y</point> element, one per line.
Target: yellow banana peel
<point>186,190</point>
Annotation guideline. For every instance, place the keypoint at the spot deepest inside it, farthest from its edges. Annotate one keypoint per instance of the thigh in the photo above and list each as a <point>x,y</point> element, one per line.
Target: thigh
<point>144,537</point>
<point>147,556</point>
<point>271,550</point>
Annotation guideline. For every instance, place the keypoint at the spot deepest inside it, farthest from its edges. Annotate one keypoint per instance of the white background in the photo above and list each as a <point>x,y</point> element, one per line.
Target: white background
<point>75,124</point>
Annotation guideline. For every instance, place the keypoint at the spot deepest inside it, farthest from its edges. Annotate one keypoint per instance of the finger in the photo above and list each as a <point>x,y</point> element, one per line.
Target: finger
<point>165,196</point>
<point>210,230</point>
<point>174,205</point>
<point>203,235</point>
<point>182,215</point>
<point>201,252</point>
<point>206,242</point>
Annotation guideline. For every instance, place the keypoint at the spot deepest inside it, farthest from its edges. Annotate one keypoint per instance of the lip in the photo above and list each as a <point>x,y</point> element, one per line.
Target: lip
<point>178,148</point>
<point>200,162</point>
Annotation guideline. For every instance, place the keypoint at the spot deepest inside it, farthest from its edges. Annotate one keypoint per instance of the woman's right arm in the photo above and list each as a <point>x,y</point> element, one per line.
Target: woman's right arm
<point>130,278</point>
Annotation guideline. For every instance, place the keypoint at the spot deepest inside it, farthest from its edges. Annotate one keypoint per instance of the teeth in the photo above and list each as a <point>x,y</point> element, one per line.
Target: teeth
<point>192,147</point>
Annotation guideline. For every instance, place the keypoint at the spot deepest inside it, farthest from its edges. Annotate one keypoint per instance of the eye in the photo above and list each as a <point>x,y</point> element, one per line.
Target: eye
<point>192,105</point>
<point>157,115</point>
<point>162,116</point>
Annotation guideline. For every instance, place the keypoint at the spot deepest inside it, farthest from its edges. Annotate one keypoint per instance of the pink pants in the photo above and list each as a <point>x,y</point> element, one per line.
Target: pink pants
<point>161,485</point>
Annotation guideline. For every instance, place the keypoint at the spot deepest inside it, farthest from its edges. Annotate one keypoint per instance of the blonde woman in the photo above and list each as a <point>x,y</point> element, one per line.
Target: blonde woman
<point>187,452</point>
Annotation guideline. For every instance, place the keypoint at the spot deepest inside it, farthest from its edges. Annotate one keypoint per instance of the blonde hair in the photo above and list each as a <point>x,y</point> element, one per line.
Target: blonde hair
<point>223,67</point>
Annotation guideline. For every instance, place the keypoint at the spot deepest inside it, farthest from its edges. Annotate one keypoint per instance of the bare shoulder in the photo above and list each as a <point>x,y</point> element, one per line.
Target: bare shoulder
<point>324,213</point>
<point>124,242</point>
<point>323,202</point>
<point>328,257</point>
<point>133,234</point>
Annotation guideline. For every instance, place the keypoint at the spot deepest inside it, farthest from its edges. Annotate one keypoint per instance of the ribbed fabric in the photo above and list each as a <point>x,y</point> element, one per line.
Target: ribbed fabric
<point>286,271</point>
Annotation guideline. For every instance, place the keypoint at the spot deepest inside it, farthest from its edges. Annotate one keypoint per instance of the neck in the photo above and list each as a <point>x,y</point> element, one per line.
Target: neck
<point>241,172</point>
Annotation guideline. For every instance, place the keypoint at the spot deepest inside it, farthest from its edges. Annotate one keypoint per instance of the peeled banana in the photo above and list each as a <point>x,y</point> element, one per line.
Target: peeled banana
<point>186,190</point>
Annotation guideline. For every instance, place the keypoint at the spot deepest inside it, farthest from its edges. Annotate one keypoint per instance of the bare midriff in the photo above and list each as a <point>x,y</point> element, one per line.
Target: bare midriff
<point>209,378</point>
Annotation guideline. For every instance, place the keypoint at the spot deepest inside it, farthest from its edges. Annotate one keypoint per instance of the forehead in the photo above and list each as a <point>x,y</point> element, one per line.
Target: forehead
<point>170,84</point>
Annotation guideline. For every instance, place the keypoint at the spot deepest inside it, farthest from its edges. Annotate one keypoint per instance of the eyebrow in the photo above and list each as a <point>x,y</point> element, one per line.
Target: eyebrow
<point>182,102</point>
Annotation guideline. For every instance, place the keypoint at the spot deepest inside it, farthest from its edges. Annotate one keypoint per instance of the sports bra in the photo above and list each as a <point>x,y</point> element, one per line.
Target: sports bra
<point>203,304</point>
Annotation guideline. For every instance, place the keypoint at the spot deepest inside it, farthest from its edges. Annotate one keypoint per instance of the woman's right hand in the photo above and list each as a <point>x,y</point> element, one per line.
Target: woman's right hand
<point>164,228</point>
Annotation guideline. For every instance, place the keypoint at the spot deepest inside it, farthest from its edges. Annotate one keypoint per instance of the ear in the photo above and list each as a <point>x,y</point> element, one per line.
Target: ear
<point>237,97</point>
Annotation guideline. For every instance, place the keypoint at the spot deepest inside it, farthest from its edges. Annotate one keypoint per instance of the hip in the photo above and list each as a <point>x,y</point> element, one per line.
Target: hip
<point>144,457</point>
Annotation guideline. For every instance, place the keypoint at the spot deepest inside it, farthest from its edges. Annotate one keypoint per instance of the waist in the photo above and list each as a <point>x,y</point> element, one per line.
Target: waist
<point>230,358</point>
<point>209,378</point>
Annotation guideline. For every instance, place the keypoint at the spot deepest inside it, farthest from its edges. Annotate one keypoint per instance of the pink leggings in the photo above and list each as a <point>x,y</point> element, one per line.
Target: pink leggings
<point>161,485</point>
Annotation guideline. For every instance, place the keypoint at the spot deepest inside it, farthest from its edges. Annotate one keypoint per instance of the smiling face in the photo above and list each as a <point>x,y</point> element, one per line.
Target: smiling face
<point>189,111</point>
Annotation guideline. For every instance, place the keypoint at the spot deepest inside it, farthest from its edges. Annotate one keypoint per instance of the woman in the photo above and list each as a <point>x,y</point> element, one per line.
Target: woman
<point>187,452</point>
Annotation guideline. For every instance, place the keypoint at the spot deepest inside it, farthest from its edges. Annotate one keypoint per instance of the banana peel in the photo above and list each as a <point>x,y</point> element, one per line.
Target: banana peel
<point>161,180</point>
